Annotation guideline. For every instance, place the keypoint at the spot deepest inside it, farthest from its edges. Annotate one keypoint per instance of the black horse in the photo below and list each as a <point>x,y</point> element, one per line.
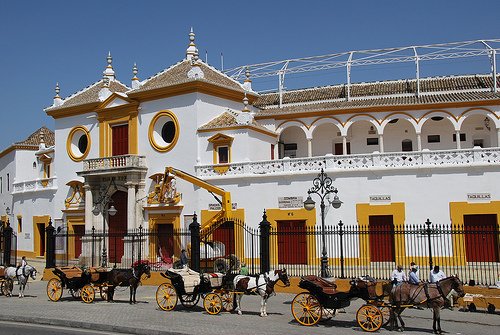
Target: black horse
<point>128,277</point>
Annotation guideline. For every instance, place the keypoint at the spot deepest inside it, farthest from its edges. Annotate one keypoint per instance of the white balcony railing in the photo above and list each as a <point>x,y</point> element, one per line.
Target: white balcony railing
<point>376,160</point>
<point>37,185</point>
<point>114,162</point>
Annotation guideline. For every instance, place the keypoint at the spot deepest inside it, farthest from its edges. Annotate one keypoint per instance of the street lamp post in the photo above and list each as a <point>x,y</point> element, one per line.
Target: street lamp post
<point>101,207</point>
<point>322,186</point>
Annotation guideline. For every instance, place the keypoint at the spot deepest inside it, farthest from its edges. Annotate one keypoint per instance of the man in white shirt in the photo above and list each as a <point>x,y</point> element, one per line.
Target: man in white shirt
<point>398,276</point>
<point>436,275</point>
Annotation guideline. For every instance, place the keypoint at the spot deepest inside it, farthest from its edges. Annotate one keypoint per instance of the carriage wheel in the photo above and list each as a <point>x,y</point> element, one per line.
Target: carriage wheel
<point>103,292</point>
<point>189,300</point>
<point>386,314</point>
<point>76,293</point>
<point>54,289</point>
<point>227,301</point>
<point>1,286</point>
<point>306,309</point>
<point>166,297</point>
<point>369,318</point>
<point>88,294</point>
<point>213,303</point>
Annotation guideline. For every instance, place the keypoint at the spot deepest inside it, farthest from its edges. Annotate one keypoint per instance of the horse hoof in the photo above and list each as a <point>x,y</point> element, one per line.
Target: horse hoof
<point>239,313</point>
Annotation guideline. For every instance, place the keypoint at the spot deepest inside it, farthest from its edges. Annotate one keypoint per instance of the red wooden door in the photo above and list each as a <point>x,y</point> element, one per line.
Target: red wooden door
<point>166,240</point>
<point>120,139</point>
<point>292,242</point>
<point>79,231</point>
<point>381,237</point>
<point>339,148</point>
<point>117,227</point>
<point>225,234</point>
<point>481,237</point>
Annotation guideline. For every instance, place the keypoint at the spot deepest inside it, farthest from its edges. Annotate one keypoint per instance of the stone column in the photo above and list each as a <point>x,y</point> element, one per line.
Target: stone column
<point>309,147</point>
<point>419,142</point>
<point>381,142</point>
<point>457,136</point>
<point>131,219</point>
<point>344,145</point>
<point>89,205</point>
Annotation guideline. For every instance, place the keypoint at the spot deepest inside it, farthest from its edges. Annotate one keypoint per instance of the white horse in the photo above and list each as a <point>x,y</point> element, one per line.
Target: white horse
<point>262,284</point>
<point>21,276</point>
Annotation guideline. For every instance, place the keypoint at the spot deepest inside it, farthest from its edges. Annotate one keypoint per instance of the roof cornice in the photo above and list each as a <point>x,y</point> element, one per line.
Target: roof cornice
<point>375,109</point>
<point>192,87</point>
<point>73,110</point>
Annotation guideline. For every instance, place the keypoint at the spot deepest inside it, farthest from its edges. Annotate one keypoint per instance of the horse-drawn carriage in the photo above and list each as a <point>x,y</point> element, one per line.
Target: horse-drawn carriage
<point>217,290</point>
<point>308,307</point>
<point>187,286</point>
<point>80,283</point>
<point>322,299</point>
<point>84,283</point>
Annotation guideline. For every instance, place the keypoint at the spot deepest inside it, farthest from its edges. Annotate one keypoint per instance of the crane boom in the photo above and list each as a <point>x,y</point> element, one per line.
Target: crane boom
<point>225,201</point>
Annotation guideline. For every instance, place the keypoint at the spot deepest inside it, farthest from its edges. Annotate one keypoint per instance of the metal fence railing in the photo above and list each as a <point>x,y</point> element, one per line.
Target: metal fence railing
<point>470,251</point>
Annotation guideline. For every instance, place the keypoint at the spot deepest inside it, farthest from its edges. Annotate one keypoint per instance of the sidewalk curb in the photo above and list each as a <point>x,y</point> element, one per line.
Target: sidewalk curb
<point>86,325</point>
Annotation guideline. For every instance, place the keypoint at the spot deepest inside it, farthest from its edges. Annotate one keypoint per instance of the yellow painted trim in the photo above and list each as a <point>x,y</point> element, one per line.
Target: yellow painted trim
<point>37,219</point>
<point>239,231</point>
<point>73,110</point>
<point>192,87</point>
<point>27,254</point>
<point>397,210</point>
<point>19,225</point>
<point>152,124</point>
<point>249,127</point>
<point>387,117</point>
<point>437,111</point>
<point>72,132</point>
<point>358,116</point>
<point>72,222</point>
<point>107,121</point>
<point>173,219</point>
<point>290,121</point>
<point>276,214</point>
<point>457,212</point>
<point>479,108</point>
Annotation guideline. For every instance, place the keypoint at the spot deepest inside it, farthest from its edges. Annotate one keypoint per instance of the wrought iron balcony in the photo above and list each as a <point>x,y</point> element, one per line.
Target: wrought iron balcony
<point>359,162</point>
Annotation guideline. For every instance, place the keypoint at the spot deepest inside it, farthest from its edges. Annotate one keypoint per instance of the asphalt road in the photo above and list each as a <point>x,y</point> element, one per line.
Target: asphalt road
<point>16,328</point>
<point>146,318</point>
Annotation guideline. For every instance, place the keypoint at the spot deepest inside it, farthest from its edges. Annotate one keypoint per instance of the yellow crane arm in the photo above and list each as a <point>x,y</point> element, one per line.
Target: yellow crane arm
<point>226,196</point>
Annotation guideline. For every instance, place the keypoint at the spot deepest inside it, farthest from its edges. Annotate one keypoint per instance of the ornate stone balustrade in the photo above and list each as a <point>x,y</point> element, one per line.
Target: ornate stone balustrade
<point>114,162</point>
<point>376,160</point>
<point>37,185</point>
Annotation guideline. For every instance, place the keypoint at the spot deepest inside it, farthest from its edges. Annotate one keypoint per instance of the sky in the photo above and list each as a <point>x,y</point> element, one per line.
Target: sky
<point>44,42</point>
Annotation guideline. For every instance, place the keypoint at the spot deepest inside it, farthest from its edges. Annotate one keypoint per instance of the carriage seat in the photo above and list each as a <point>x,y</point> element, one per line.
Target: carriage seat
<point>327,286</point>
<point>71,271</point>
<point>2,272</point>
<point>215,279</point>
<point>95,273</point>
<point>190,278</point>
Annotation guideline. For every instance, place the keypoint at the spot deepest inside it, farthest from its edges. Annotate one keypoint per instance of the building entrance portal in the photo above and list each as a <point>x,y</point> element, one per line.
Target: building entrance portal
<point>481,237</point>
<point>292,242</point>
<point>381,232</point>
<point>117,227</point>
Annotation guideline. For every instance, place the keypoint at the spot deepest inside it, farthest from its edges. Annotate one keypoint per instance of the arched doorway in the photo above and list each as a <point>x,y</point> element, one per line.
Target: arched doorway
<point>292,143</point>
<point>117,227</point>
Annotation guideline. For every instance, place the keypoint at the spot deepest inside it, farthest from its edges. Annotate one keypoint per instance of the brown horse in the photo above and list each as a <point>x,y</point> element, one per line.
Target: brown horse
<point>128,277</point>
<point>425,294</point>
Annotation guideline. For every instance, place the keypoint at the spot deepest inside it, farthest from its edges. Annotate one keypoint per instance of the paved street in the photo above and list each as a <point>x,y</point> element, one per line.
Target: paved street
<point>146,318</point>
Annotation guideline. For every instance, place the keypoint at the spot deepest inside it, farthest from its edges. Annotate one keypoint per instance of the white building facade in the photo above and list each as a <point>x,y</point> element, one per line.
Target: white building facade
<point>391,153</point>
